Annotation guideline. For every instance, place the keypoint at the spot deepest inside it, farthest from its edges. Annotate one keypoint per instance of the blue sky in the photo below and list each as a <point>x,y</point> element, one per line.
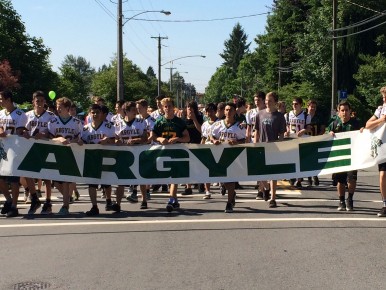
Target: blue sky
<point>83,28</point>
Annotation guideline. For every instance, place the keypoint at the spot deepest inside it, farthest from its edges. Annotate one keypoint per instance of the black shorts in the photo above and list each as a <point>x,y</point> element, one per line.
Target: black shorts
<point>11,179</point>
<point>96,185</point>
<point>382,166</point>
<point>343,177</point>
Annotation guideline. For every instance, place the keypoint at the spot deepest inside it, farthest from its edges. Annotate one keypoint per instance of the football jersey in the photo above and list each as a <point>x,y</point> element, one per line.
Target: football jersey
<point>223,133</point>
<point>381,110</point>
<point>250,117</point>
<point>117,118</point>
<point>128,130</point>
<point>91,135</point>
<point>150,121</point>
<point>10,121</point>
<point>69,129</point>
<point>206,130</point>
<point>296,122</point>
<point>36,124</point>
<point>156,114</point>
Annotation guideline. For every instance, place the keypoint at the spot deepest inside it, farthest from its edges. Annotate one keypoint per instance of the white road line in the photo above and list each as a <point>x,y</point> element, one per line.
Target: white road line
<point>199,221</point>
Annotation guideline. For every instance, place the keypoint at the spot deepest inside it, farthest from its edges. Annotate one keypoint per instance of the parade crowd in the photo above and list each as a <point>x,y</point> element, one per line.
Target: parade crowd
<point>135,123</point>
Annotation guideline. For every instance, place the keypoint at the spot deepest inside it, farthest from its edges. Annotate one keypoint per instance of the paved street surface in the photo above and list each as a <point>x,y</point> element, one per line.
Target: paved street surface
<point>305,243</point>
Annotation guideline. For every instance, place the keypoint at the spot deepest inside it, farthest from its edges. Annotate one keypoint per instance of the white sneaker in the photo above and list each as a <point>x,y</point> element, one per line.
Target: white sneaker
<point>207,195</point>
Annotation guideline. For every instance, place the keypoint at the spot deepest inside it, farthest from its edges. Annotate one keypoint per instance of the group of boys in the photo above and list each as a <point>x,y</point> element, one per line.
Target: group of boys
<point>132,125</point>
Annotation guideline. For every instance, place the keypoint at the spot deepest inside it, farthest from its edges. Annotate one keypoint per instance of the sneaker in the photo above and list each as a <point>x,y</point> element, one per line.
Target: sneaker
<point>272,203</point>
<point>342,206</point>
<point>6,207</point>
<point>143,205</point>
<point>349,204</point>
<point>116,207</point>
<point>133,198</point>
<point>298,184</point>
<point>109,206</point>
<point>266,195</point>
<point>63,211</point>
<point>130,189</point>
<point>229,208</point>
<point>35,204</point>
<point>76,195</point>
<point>207,195</point>
<point>13,212</point>
<point>172,204</point>
<point>47,208</point>
<point>187,191</point>
<point>223,189</point>
<point>259,195</point>
<point>382,212</point>
<point>93,211</point>
<point>316,180</point>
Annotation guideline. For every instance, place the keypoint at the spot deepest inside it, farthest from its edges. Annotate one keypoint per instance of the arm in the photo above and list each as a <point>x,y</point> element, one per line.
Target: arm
<point>374,122</point>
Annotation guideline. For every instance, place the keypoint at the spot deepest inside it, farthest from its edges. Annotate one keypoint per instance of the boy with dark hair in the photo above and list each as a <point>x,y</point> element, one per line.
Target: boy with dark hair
<point>344,124</point>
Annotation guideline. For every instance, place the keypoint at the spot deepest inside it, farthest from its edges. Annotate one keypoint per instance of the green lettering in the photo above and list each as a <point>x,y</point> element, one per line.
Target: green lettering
<point>148,163</point>
<point>257,164</point>
<point>93,163</point>
<point>217,169</point>
<point>36,159</point>
<point>309,155</point>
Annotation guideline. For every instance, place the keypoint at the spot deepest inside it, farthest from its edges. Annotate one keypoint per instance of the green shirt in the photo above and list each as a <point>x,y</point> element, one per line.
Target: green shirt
<point>338,126</point>
<point>169,128</point>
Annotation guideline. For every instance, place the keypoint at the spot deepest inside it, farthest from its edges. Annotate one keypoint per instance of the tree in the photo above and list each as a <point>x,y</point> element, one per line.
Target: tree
<point>235,48</point>
<point>75,79</point>
<point>7,78</point>
<point>27,55</point>
<point>150,73</point>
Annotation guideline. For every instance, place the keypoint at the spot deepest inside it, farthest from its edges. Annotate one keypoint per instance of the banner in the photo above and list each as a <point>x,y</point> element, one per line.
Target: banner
<point>180,163</point>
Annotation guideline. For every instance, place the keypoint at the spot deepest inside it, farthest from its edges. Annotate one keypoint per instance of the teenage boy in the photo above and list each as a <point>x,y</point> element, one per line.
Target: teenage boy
<point>37,125</point>
<point>378,120</point>
<point>12,122</point>
<point>231,132</point>
<point>131,131</point>
<point>344,124</point>
<point>64,129</point>
<point>169,129</point>
<point>270,127</point>
<point>99,131</point>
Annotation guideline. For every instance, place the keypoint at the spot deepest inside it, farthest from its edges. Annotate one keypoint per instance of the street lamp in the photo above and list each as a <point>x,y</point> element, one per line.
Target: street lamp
<point>120,84</point>
<point>171,66</point>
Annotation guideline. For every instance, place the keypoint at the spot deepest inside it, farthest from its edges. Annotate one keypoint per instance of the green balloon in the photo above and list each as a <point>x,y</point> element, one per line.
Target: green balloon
<point>52,95</point>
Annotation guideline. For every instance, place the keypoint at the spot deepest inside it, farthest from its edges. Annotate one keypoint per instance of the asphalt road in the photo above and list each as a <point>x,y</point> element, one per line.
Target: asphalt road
<point>305,243</point>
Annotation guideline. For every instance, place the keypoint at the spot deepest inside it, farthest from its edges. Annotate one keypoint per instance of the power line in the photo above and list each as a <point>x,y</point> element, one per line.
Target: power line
<point>203,20</point>
<point>359,5</point>
<point>106,10</point>
<point>364,30</point>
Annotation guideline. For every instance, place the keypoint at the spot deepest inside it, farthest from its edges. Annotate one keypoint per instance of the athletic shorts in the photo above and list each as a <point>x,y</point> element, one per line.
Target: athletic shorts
<point>382,166</point>
<point>343,177</point>
<point>96,185</point>
<point>11,179</point>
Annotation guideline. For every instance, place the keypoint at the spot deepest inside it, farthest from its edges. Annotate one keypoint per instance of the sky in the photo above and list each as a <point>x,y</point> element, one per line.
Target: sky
<point>88,28</point>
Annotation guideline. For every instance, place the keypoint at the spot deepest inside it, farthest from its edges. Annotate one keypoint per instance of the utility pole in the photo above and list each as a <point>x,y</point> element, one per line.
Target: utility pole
<point>120,85</point>
<point>334,57</point>
<point>159,61</point>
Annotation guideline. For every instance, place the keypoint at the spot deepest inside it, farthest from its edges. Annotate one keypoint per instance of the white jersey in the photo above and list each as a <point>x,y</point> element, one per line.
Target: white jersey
<point>223,133</point>
<point>296,122</point>
<point>116,119</point>
<point>251,116</point>
<point>69,129</point>
<point>150,121</point>
<point>91,135</point>
<point>128,130</point>
<point>381,110</point>
<point>38,124</point>
<point>206,130</point>
<point>10,121</point>
<point>156,114</point>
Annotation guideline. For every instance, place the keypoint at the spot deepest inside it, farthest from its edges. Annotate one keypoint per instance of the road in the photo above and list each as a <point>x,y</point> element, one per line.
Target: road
<point>305,243</point>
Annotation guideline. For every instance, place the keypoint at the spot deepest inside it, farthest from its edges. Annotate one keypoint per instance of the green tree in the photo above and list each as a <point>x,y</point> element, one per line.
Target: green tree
<point>27,55</point>
<point>75,79</point>
<point>235,48</point>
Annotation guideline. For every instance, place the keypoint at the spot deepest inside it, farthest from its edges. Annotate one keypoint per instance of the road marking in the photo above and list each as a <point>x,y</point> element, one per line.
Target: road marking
<point>199,221</point>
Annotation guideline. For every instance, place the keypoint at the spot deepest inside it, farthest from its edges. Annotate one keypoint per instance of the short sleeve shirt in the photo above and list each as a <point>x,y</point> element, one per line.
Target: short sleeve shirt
<point>270,125</point>
<point>169,128</point>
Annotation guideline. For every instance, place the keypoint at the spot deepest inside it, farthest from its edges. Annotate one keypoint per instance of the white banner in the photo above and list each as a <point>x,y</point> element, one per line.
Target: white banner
<point>126,165</point>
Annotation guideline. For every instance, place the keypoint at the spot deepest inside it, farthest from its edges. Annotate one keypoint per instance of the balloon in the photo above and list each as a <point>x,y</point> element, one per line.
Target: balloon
<point>52,95</point>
